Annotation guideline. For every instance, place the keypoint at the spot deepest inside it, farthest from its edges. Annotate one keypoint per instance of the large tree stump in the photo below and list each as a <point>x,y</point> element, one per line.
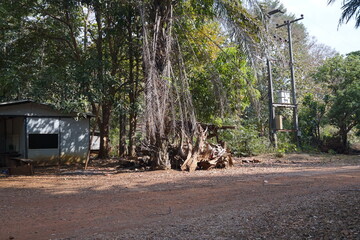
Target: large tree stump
<point>192,157</point>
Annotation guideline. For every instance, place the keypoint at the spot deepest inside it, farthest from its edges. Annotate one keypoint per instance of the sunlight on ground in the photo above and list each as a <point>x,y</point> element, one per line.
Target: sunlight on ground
<point>80,181</point>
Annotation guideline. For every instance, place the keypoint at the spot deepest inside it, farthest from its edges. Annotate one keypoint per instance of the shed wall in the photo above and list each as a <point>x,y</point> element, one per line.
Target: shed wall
<point>44,126</point>
<point>74,139</point>
<point>39,132</point>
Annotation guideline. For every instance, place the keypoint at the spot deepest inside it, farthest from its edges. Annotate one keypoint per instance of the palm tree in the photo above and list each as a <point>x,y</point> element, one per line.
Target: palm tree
<point>350,8</point>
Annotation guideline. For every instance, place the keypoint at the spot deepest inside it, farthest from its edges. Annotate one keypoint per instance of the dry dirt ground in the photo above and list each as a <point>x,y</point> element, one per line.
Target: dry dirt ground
<point>300,196</point>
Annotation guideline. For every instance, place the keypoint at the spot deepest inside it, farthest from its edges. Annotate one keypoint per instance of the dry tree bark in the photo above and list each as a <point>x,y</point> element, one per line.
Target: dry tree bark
<point>193,154</point>
<point>165,94</point>
<point>169,111</point>
<point>206,155</point>
<point>157,31</point>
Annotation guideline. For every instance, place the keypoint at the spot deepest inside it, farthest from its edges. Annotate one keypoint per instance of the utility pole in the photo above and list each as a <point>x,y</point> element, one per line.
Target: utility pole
<point>272,128</point>
<point>292,72</point>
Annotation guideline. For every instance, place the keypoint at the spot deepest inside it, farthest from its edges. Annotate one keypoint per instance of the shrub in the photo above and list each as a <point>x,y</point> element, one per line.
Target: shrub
<point>246,141</point>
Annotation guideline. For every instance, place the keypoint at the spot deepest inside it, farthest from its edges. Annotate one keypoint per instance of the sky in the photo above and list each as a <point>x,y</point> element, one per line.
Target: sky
<point>321,21</point>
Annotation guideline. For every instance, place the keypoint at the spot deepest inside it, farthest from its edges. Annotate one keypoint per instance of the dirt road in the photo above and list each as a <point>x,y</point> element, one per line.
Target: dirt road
<point>298,197</point>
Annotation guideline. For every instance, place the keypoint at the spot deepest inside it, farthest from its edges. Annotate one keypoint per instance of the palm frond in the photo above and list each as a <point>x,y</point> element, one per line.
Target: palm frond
<point>350,9</point>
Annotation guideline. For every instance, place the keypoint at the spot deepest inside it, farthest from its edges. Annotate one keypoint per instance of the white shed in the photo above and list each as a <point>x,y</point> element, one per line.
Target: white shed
<point>41,133</point>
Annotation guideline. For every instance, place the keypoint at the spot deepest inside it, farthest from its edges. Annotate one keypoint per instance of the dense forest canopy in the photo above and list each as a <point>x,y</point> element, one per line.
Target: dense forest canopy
<point>149,70</point>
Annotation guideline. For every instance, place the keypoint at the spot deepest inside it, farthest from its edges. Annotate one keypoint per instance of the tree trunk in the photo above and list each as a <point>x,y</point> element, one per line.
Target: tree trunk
<point>317,135</point>
<point>191,161</point>
<point>132,91</point>
<point>157,52</point>
<point>344,139</point>
<point>104,128</point>
<point>106,105</point>
<point>162,161</point>
<point>132,129</point>
<point>122,135</point>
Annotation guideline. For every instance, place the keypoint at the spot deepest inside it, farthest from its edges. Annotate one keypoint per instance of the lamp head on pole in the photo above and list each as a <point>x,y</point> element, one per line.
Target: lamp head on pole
<point>275,11</point>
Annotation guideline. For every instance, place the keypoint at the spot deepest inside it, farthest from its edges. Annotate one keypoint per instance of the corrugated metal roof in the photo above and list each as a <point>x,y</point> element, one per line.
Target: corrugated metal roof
<point>19,102</point>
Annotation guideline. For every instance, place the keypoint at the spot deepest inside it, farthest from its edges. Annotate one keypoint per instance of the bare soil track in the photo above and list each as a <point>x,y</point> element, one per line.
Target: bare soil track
<point>300,196</point>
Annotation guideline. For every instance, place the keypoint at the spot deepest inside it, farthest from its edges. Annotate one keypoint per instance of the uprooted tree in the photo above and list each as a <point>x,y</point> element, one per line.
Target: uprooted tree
<point>169,112</point>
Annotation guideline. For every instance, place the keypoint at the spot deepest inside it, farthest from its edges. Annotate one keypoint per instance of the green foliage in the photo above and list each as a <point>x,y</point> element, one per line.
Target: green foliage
<point>246,141</point>
<point>311,118</point>
<point>342,77</point>
<point>114,140</point>
<point>217,121</point>
<point>328,130</point>
<point>332,152</point>
<point>285,145</point>
<point>81,55</point>
<point>346,106</point>
<point>222,87</point>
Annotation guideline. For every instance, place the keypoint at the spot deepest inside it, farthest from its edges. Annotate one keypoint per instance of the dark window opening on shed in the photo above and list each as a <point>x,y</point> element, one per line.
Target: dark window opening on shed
<point>43,141</point>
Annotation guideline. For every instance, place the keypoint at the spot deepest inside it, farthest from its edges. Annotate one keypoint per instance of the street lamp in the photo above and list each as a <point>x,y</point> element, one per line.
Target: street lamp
<point>274,12</point>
